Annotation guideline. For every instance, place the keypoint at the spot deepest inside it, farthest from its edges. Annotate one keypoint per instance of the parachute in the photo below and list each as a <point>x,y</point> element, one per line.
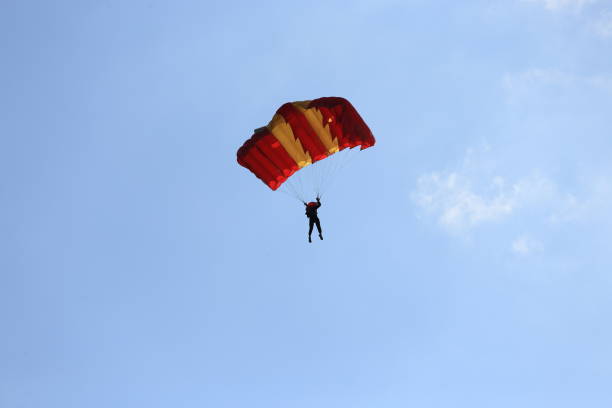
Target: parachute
<point>301,134</point>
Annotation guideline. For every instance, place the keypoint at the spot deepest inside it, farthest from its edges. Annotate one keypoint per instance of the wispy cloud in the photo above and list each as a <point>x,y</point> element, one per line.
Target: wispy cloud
<point>594,14</point>
<point>460,203</point>
<point>535,76</point>
<point>540,77</point>
<point>563,4</point>
<point>554,86</point>
<point>525,245</point>
<point>595,202</point>
<point>472,195</point>
<point>602,25</point>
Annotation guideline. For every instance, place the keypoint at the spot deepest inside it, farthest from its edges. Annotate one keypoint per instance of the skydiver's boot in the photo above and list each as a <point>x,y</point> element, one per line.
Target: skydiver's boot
<point>309,239</point>
<point>321,236</point>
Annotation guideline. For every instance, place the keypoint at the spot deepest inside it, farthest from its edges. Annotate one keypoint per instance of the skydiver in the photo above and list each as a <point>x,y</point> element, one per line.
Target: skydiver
<point>311,213</point>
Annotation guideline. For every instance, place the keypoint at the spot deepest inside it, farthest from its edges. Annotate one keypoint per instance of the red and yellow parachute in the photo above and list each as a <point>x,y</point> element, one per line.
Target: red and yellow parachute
<point>302,133</point>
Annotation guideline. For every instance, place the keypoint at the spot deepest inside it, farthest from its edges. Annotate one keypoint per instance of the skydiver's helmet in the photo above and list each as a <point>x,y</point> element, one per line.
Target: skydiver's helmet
<point>311,204</point>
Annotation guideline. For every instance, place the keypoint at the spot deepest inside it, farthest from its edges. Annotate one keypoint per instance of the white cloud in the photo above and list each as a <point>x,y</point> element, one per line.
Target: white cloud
<point>455,204</point>
<point>525,245</point>
<point>460,203</point>
<point>563,4</point>
<point>553,77</point>
<point>474,194</point>
<point>595,202</point>
<point>597,17</point>
<point>603,24</point>
<point>535,76</point>
<point>553,84</point>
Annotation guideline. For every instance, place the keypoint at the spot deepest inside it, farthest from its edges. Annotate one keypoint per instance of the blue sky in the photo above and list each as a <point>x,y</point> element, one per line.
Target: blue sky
<point>466,260</point>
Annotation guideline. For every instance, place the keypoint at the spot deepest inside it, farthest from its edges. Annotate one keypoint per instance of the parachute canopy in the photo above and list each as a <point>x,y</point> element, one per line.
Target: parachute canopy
<point>300,134</point>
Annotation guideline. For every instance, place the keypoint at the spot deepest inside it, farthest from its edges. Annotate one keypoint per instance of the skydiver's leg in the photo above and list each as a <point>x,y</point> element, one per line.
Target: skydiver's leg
<point>319,228</point>
<point>311,222</point>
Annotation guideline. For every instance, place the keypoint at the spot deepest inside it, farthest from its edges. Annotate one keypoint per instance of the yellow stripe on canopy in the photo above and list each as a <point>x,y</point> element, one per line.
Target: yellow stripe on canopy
<point>315,119</point>
<point>283,133</point>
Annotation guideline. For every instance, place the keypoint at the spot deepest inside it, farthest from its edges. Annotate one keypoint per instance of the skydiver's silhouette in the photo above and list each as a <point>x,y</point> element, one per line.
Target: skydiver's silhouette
<point>311,213</point>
